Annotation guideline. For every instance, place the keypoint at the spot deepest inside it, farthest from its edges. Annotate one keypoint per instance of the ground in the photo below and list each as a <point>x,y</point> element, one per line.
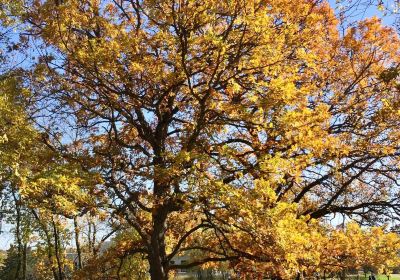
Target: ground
<point>381,277</point>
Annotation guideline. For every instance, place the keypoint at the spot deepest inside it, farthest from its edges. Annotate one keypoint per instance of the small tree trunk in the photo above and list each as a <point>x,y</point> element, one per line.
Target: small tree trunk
<point>24,261</point>
<point>77,243</point>
<point>18,236</point>
<point>89,236</point>
<point>342,275</point>
<point>57,252</point>
<point>94,240</point>
<point>49,243</point>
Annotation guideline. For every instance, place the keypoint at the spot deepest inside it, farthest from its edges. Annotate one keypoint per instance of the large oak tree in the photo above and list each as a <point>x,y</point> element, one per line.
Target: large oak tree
<point>216,124</point>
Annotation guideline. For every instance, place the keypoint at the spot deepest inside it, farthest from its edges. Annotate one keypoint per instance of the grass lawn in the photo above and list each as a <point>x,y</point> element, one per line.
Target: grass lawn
<point>379,277</point>
<point>393,276</point>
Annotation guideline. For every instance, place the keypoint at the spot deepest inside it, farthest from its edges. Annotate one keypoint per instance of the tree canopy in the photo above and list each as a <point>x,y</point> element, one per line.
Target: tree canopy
<point>229,130</point>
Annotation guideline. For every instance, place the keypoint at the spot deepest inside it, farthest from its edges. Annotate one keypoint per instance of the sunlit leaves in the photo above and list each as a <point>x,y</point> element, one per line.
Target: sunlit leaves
<point>228,128</point>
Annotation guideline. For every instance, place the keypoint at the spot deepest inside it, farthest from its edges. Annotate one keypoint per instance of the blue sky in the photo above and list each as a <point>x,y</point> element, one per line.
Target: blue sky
<point>365,11</point>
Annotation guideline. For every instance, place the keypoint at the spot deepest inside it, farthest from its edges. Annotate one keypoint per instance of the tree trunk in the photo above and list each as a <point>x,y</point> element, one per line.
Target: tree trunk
<point>94,251</point>
<point>77,243</point>
<point>18,236</point>
<point>57,251</point>
<point>157,270</point>
<point>89,236</point>
<point>49,244</point>
<point>24,261</point>
<point>342,275</point>
<point>157,254</point>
